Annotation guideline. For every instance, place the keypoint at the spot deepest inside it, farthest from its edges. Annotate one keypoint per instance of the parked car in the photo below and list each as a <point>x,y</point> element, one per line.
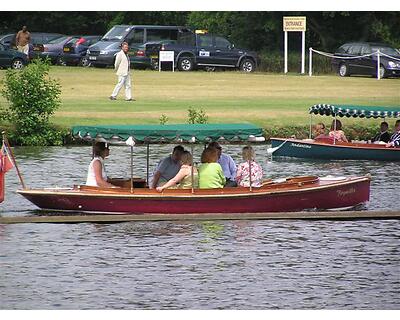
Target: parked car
<point>389,66</point>
<point>38,39</point>
<point>146,56</point>
<point>11,58</point>
<point>54,48</point>
<point>205,50</point>
<point>74,51</point>
<point>7,40</point>
<point>102,53</point>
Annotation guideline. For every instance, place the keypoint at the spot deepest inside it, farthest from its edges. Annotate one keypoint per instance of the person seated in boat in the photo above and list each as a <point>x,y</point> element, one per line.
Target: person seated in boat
<point>167,168</point>
<point>336,131</point>
<point>183,179</point>
<point>211,175</point>
<point>249,168</point>
<point>383,135</point>
<point>97,176</point>
<point>227,164</point>
<point>320,133</point>
<point>395,138</point>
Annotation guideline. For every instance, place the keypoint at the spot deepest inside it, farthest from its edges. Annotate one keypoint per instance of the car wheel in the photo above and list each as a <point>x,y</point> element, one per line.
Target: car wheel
<point>61,61</point>
<point>247,65</point>
<point>382,72</point>
<point>17,63</point>
<point>84,62</point>
<point>185,64</point>
<point>343,70</point>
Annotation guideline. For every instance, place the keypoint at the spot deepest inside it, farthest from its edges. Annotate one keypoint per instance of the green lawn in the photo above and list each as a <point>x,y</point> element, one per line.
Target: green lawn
<point>260,98</point>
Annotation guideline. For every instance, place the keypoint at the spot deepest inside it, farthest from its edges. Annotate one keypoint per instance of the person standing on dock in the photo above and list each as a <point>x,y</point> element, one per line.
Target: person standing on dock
<point>123,68</point>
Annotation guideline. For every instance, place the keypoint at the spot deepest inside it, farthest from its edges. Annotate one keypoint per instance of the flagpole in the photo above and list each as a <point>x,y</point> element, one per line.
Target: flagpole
<point>5,142</point>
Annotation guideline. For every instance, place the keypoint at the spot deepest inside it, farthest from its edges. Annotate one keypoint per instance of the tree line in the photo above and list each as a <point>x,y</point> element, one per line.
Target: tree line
<point>259,31</point>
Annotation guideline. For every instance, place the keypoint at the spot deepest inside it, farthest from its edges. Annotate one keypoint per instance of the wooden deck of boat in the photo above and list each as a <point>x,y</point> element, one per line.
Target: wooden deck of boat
<point>107,218</point>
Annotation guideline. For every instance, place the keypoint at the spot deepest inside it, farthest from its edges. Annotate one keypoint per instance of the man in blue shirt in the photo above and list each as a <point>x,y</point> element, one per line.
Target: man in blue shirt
<point>227,164</point>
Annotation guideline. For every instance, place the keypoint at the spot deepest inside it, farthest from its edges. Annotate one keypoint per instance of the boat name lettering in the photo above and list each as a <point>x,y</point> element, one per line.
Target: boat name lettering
<point>342,193</point>
<point>297,145</point>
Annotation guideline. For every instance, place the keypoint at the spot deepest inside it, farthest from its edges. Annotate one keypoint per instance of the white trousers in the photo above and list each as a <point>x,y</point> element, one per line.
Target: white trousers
<point>24,49</point>
<point>123,81</point>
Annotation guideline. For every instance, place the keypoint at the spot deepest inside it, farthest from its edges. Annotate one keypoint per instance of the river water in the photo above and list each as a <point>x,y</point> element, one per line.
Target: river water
<point>270,264</point>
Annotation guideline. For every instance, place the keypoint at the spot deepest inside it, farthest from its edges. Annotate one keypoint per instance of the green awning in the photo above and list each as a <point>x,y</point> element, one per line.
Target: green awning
<point>355,111</point>
<point>176,133</point>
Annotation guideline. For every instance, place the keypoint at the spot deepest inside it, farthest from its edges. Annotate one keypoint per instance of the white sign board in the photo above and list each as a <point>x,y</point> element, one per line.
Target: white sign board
<point>166,56</point>
<point>291,24</point>
<point>294,23</point>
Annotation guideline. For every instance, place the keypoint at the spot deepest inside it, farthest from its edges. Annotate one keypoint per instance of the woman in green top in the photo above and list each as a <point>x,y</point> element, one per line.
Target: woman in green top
<point>211,175</point>
<point>183,179</point>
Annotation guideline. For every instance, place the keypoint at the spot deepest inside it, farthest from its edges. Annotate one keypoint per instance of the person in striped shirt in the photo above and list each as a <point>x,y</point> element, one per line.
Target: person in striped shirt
<point>395,138</point>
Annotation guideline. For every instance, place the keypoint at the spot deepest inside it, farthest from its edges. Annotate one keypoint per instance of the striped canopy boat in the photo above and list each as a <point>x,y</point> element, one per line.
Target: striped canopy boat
<point>329,149</point>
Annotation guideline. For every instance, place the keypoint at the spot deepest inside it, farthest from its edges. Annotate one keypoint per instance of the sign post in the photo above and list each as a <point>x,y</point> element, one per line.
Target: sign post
<point>166,56</point>
<point>297,24</point>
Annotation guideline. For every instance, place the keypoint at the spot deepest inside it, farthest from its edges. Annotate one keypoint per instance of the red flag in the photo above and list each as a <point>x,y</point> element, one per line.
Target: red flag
<point>5,160</point>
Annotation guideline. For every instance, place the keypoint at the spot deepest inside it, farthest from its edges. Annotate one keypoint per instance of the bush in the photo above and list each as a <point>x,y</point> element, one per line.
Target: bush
<point>195,116</point>
<point>32,98</point>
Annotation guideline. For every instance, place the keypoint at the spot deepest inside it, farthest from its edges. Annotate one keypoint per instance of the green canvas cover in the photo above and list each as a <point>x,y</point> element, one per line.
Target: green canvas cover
<point>355,111</point>
<point>169,133</point>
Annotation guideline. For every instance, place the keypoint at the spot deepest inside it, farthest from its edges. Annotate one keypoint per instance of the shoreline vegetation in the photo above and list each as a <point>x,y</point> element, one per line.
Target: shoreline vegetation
<point>278,103</point>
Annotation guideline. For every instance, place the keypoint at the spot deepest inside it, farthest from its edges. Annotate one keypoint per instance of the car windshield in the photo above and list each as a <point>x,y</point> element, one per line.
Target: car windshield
<point>116,33</point>
<point>386,50</point>
<point>58,40</point>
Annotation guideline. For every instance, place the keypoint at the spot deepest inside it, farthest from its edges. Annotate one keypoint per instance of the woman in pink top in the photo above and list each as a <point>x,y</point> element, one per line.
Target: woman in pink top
<point>336,131</point>
<point>244,170</point>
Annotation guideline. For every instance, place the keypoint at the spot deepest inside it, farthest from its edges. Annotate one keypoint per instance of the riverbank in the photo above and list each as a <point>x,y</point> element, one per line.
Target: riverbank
<point>279,103</point>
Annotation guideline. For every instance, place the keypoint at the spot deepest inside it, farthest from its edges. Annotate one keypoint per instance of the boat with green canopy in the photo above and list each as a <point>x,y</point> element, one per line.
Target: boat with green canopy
<point>331,149</point>
<point>134,197</point>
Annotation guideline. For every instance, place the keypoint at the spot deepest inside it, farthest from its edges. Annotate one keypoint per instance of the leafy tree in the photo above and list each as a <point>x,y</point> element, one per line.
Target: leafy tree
<point>32,98</point>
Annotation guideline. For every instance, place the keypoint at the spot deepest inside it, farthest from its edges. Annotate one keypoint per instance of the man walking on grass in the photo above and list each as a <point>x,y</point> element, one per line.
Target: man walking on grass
<point>122,66</point>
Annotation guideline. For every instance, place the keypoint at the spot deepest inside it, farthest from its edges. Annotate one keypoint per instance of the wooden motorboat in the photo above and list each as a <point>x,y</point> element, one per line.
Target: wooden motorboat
<point>330,149</point>
<point>133,197</point>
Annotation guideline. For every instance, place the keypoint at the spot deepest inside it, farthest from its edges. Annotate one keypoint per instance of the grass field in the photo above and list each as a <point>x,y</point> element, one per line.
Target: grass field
<point>260,98</point>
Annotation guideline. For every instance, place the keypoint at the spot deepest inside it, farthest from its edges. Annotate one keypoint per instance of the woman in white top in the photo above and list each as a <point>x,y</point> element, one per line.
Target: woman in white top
<point>97,176</point>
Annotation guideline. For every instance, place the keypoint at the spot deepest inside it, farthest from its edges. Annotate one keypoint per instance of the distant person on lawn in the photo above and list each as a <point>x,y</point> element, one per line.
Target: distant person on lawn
<point>123,68</point>
<point>22,40</point>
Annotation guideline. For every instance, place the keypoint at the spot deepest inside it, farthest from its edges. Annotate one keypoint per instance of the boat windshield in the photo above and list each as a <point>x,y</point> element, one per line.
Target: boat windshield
<point>116,33</point>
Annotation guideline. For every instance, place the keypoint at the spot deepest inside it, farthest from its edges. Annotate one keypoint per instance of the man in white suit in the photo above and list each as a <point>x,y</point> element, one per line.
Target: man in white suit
<point>122,66</point>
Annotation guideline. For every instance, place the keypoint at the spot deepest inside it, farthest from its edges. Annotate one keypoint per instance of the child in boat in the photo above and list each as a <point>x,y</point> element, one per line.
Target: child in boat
<point>250,166</point>
<point>97,176</point>
<point>183,179</point>
<point>336,131</point>
<point>211,175</point>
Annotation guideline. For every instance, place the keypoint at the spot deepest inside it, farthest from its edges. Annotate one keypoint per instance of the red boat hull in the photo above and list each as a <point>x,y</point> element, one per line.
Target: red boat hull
<point>322,195</point>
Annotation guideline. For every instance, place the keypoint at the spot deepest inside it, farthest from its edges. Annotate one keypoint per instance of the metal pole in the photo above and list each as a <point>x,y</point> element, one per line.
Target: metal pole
<point>147,164</point>
<point>309,135</point>
<point>378,67</point>
<point>131,169</point>
<point>310,64</point>
<point>192,170</point>
<point>5,141</point>
<point>251,187</point>
<point>303,51</point>
<point>286,54</point>
<point>334,128</point>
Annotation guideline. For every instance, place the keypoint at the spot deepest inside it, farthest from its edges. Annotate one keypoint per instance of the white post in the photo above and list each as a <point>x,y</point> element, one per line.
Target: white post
<point>303,51</point>
<point>378,67</point>
<point>286,42</point>
<point>310,64</point>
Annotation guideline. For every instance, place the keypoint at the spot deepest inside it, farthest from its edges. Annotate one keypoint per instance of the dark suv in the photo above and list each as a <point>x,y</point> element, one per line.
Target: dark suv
<point>389,60</point>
